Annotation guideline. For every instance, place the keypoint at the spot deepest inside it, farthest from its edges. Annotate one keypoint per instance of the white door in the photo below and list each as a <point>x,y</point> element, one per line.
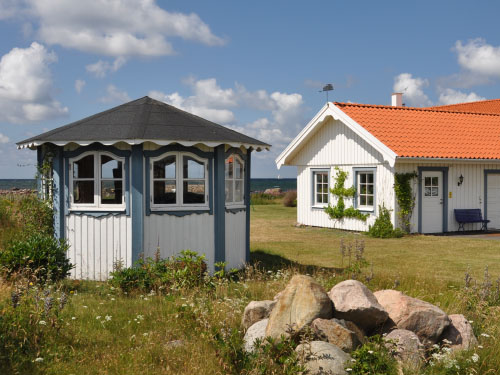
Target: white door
<point>432,202</point>
<point>493,200</point>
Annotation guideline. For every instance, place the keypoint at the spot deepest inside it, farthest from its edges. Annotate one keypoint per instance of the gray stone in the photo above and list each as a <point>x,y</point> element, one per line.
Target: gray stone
<point>407,346</point>
<point>255,311</point>
<point>353,301</point>
<point>302,301</point>
<point>256,331</point>
<point>336,332</point>
<point>459,334</point>
<point>321,358</point>
<point>424,319</point>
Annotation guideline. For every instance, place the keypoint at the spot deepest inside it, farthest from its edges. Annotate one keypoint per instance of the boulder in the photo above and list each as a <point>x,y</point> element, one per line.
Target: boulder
<point>407,345</point>
<point>255,311</point>
<point>424,319</point>
<point>302,301</point>
<point>336,332</point>
<point>256,331</point>
<point>323,358</point>
<point>353,301</point>
<point>459,333</point>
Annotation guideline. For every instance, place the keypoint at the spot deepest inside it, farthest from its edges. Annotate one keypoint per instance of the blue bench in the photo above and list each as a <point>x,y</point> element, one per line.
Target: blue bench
<point>470,215</point>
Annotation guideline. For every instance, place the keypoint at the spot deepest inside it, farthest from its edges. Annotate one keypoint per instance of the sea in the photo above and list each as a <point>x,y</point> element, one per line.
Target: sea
<point>256,184</point>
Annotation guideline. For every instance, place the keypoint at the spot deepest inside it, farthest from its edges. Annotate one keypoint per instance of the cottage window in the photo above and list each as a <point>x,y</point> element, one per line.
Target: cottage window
<point>365,190</point>
<point>321,193</point>
<point>179,181</point>
<point>97,181</point>
<point>235,178</point>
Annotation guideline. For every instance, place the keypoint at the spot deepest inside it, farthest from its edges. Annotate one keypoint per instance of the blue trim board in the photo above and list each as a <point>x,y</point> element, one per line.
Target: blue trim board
<point>137,206</point>
<point>58,193</point>
<point>219,205</point>
<point>39,161</point>
<point>355,172</point>
<point>247,203</point>
<point>486,173</point>
<point>444,170</point>
<point>178,148</point>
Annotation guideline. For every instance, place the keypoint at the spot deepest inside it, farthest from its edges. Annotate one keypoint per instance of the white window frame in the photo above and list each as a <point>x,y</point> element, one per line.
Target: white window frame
<point>315,172</point>
<point>365,207</point>
<point>179,183</point>
<point>97,205</point>
<point>235,204</point>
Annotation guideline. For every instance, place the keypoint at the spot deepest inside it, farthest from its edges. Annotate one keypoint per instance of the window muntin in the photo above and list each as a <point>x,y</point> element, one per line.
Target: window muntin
<point>366,189</point>
<point>431,186</point>
<point>234,171</point>
<point>97,181</point>
<point>320,181</point>
<point>179,180</point>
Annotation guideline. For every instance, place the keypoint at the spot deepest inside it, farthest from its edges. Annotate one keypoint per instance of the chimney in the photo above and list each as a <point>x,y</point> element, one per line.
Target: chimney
<point>397,99</point>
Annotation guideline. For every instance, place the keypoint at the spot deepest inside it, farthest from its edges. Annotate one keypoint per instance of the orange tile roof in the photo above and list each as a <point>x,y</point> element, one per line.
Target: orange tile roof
<point>484,106</point>
<point>430,133</point>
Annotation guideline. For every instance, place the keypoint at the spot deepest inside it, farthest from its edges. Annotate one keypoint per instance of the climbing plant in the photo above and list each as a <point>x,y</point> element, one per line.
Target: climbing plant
<point>405,197</point>
<point>339,211</point>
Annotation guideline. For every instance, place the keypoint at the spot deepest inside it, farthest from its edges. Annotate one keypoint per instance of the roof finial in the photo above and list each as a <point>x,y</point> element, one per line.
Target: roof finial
<point>326,88</point>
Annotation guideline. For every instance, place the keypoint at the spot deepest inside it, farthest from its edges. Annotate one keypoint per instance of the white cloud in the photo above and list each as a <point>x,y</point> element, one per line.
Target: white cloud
<point>114,95</point>
<point>26,86</point>
<point>283,120</point>
<point>110,27</point>
<point>79,85</point>
<point>412,89</point>
<point>450,96</point>
<point>479,57</point>
<point>4,138</point>
<point>101,68</point>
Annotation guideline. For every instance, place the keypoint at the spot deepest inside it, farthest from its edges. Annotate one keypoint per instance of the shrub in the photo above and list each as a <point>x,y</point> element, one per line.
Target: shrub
<point>290,199</point>
<point>186,270</point>
<point>373,358</point>
<point>263,199</point>
<point>383,228</point>
<point>38,256</point>
<point>36,215</point>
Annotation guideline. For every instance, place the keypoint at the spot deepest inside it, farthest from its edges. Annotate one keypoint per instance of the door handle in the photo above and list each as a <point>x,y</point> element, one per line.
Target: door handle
<point>441,201</point>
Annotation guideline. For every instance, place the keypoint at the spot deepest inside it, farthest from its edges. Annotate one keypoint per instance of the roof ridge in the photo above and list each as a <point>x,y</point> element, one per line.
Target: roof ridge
<point>422,109</point>
<point>465,103</point>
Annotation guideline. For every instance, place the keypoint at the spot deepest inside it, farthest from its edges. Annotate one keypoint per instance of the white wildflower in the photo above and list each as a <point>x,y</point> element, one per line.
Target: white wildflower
<point>475,357</point>
<point>85,307</point>
<point>112,299</point>
<point>73,318</point>
<point>145,334</point>
<point>108,318</point>
<point>42,322</point>
<point>480,346</point>
<point>348,369</point>
<point>370,351</point>
<point>485,335</point>
<point>39,359</point>
<point>98,317</point>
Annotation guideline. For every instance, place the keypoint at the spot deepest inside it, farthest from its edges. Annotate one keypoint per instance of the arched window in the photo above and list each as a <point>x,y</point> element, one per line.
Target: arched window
<point>235,180</point>
<point>179,180</point>
<point>97,181</point>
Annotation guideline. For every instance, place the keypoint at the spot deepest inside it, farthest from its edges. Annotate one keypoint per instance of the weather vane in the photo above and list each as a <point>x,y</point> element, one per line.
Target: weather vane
<point>326,88</point>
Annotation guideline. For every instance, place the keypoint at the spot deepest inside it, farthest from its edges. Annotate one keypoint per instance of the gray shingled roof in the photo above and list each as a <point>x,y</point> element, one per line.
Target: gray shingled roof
<point>143,119</point>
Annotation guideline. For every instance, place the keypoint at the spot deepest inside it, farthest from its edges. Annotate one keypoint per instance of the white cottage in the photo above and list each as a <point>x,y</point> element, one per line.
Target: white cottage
<point>146,176</point>
<point>454,151</point>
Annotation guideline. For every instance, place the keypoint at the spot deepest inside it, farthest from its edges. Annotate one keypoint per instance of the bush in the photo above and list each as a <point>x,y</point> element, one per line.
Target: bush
<point>373,358</point>
<point>263,199</point>
<point>383,228</point>
<point>290,199</point>
<point>186,270</point>
<point>36,215</point>
<point>38,256</point>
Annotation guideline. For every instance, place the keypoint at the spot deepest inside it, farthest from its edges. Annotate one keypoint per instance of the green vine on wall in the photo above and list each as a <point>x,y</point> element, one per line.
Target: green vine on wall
<point>339,211</point>
<point>405,197</point>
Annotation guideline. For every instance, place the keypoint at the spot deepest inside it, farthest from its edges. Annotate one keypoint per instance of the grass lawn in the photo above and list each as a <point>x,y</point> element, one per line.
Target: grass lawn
<point>434,258</point>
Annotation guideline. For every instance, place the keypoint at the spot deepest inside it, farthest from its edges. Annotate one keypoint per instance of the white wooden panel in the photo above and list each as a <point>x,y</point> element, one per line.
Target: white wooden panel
<point>494,200</point>
<point>235,239</point>
<point>171,234</point>
<point>96,243</point>
<point>469,195</point>
<point>309,215</point>
<point>336,144</point>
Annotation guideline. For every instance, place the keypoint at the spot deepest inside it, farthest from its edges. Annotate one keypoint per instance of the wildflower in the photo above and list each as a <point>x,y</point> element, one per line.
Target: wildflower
<point>112,299</point>
<point>480,346</point>
<point>98,317</point>
<point>132,337</point>
<point>145,334</point>
<point>108,318</point>
<point>42,322</point>
<point>72,292</point>
<point>85,307</point>
<point>63,300</point>
<point>348,369</point>
<point>15,297</point>
<point>475,357</point>
<point>39,359</point>
<point>370,351</point>
<point>31,283</point>
<point>48,304</point>
<point>140,317</point>
<point>485,335</point>
<point>446,341</point>
<point>73,318</point>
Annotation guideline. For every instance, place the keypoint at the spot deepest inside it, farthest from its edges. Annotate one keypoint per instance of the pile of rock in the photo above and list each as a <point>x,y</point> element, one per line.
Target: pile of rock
<point>341,319</point>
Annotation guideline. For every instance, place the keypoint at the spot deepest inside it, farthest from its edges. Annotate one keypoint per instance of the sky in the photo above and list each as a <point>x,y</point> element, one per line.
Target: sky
<point>255,66</point>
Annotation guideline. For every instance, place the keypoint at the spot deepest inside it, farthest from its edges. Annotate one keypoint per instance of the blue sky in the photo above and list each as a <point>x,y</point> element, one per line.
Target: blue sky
<point>254,66</point>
